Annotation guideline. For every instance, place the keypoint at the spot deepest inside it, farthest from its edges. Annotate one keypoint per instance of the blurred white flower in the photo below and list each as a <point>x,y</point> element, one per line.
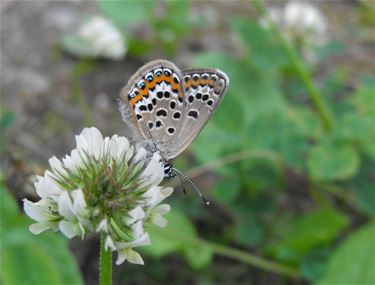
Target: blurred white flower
<point>103,37</point>
<point>302,23</point>
<point>103,186</point>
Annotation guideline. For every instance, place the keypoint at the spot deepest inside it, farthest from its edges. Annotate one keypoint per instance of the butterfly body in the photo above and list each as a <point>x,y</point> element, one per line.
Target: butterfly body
<point>165,108</point>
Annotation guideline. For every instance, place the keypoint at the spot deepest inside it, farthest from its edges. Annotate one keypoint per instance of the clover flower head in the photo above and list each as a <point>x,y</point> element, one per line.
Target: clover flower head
<point>302,23</point>
<point>104,38</point>
<point>105,186</point>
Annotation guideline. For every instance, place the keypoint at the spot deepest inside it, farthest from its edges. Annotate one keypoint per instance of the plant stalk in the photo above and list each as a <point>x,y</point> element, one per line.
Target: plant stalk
<point>236,254</point>
<point>105,263</point>
<point>325,114</point>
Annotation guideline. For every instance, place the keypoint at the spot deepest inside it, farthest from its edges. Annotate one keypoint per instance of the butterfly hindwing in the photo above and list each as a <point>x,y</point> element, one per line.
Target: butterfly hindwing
<point>204,91</point>
<point>153,101</point>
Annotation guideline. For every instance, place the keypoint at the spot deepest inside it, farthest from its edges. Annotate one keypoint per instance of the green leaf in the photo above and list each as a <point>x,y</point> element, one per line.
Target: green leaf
<point>178,235</point>
<point>329,162</point>
<point>363,186</point>
<point>316,228</point>
<point>198,256</point>
<point>29,264</point>
<point>264,50</point>
<point>329,49</point>
<point>31,253</point>
<point>127,12</point>
<point>138,47</point>
<point>353,261</point>
<point>227,190</point>
<point>7,118</point>
<point>8,208</point>
<point>313,265</point>
<point>249,232</point>
<point>32,259</point>
<point>363,98</point>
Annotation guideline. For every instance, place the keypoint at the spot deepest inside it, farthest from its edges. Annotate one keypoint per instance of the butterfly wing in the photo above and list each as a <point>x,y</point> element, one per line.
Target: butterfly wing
<point>152,105</point>
<point>204,91</point>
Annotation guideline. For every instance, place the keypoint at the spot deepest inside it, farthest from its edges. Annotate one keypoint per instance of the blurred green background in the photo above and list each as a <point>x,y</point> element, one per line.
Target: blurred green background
<point>287,160</point>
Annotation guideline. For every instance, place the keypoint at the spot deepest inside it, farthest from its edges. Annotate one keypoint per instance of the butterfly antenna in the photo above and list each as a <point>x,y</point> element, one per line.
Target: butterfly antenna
<point>192,183</point>
<point>182,183</point>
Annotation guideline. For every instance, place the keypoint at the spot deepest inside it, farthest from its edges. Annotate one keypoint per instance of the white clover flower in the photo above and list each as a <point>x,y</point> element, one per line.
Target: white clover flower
<point>103,186</point>
<point>104,38</point>
<point>302,23</point>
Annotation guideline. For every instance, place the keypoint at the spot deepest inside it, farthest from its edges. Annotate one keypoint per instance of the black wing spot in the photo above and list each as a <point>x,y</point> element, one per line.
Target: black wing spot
<point>191,99</point>
<point>175,79</point>
<point>177,115</point>
<point>161,113</point>
<point>143,108</point>
<point>180,99</point>
<point>153,101</point>
<point>167,94</point>
<point>205,97</point>
<point>150,107</point>
<point>172,105</point>
<point>175,91</point>
<point>171,130</point>
<point>139,117</point>
<point>198,96</point>
<point>159,94</point>
<point>193,114</point>
<point>210,102</point>
<point>150,125</point>
<point>159,124</point>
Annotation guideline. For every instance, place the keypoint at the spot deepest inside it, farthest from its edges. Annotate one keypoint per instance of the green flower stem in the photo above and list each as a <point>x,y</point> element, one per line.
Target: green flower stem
<point>105,263</point>
<point>80,69</point>
<point>233,253</point>
<point>324,112</point>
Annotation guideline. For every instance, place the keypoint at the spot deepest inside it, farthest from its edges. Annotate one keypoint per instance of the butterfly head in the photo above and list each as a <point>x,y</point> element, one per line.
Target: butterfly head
<point>168,170</point>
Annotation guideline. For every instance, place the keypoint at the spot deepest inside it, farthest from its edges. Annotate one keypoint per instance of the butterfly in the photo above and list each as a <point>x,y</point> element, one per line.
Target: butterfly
<point>165,108</point>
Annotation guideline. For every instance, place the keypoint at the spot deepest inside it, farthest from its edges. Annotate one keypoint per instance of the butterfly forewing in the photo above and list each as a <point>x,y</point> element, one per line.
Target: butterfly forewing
<point>204,91</point>
<point>153,101</point>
